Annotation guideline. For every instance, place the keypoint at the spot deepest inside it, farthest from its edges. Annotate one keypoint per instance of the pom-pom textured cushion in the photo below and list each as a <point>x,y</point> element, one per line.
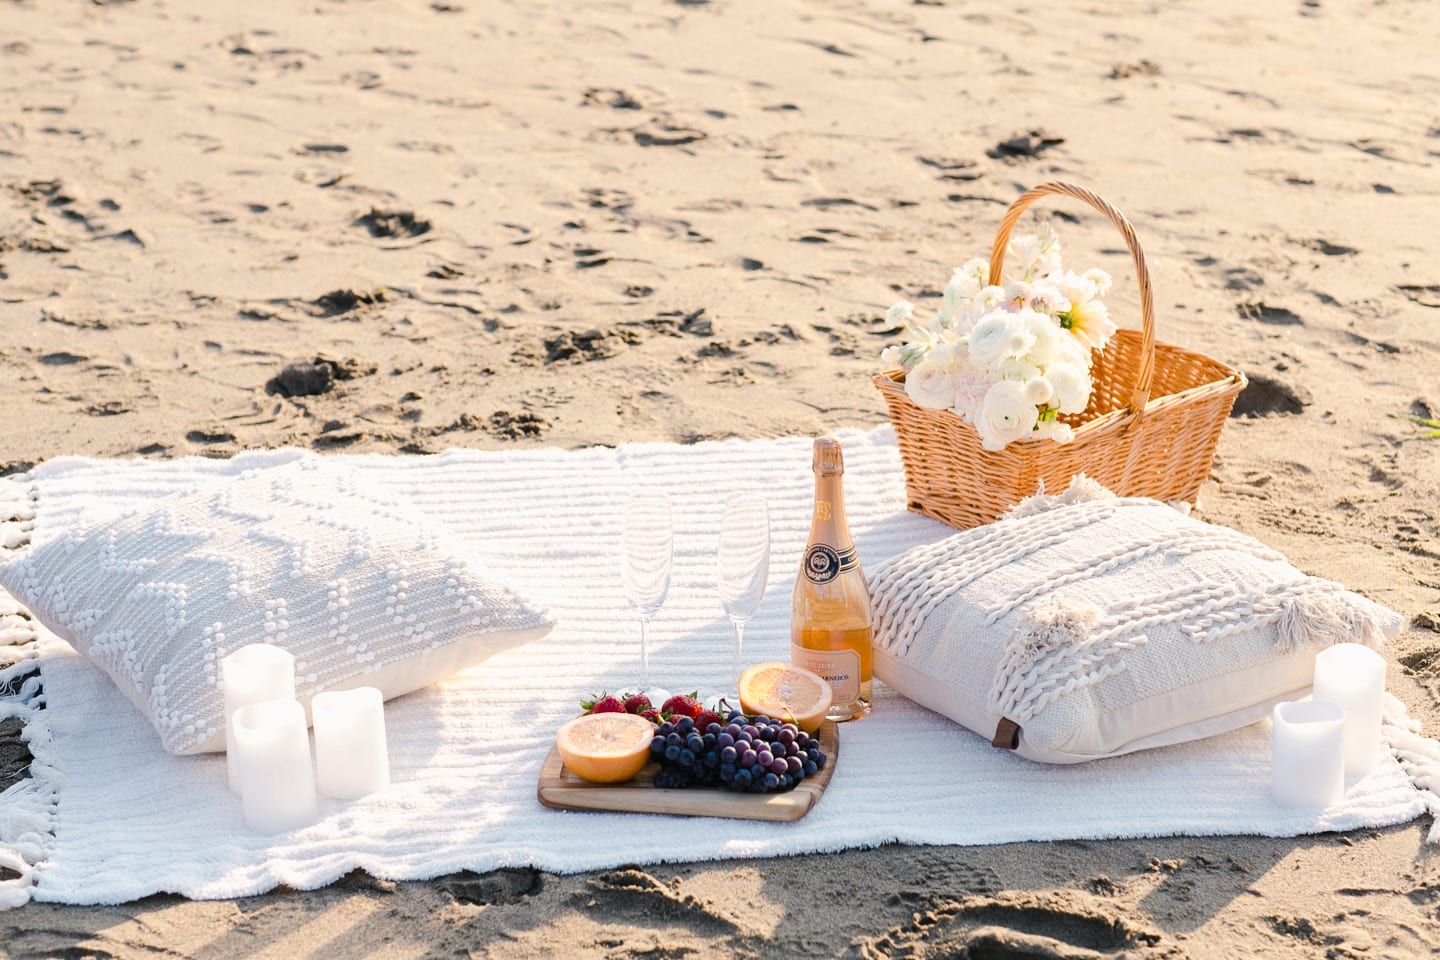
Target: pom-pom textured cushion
<point>360,586</point>
<point>1099,626</point>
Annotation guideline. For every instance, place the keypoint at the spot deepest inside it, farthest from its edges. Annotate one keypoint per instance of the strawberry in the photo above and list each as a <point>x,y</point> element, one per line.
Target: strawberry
<point>706,717</point>
<point>652,715</point>
<point>638,703</point>
<point>605,703</point>
<point>682,705</point>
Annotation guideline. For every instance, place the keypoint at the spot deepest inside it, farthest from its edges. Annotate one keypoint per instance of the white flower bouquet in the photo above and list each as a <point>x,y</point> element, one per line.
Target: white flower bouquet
<point>1008,359</point>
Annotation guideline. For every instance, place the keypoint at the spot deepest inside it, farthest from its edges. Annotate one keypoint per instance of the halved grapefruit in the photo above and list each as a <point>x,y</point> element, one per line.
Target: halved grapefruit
<point>605,747</point>
<point>784,691</point>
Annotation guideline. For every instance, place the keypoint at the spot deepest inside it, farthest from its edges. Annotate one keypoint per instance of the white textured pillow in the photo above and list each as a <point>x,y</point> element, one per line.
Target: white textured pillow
<point>360,586</point>
<point>1102,626</point>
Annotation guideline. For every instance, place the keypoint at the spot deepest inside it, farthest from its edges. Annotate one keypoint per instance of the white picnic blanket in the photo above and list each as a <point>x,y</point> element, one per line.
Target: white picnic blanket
<point>108,816</point>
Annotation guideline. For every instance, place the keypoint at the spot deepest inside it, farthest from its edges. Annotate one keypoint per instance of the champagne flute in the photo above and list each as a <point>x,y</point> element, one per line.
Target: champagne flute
<point>646,547</point>
<point>744,564</point>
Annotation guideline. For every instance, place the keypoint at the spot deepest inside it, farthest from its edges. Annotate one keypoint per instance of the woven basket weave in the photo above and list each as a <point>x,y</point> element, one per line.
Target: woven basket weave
<point>1150,430</point>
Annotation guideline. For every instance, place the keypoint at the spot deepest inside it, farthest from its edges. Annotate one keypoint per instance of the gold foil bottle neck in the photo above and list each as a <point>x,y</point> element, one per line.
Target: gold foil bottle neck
<point>827,459</point>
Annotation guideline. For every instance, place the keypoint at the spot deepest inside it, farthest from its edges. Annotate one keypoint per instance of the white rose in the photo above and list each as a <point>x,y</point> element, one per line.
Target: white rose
<point>1071,382</point>
<point>930,383</point>
<point>1005,415</point>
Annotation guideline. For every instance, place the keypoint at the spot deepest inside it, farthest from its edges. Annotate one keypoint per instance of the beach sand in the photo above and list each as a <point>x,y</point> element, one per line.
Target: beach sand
<point>406,226</point>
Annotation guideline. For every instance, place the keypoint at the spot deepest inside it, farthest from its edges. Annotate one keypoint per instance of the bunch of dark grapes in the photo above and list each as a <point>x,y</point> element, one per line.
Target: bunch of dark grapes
<point>748,755</point>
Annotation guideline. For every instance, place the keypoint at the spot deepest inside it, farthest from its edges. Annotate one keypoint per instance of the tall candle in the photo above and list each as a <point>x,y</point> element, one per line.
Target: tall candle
<point>1353,676</point>
<point>1307,754</point>
<point>351,758</point>
<point>253,674</point>
<point>277,783</point>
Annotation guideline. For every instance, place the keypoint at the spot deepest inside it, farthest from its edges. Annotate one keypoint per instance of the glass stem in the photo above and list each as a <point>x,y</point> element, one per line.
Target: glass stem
<point>739,626</point>
<point>644,653</point>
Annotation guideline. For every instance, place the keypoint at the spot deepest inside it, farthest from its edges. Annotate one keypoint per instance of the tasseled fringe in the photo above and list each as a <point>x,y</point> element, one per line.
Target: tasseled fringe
<point>27,807</point>
<point>17,513</point>
<point>1081,490</point>
<point>1320,618</point>
<point>1418,755</point>
<point>1049,627</point>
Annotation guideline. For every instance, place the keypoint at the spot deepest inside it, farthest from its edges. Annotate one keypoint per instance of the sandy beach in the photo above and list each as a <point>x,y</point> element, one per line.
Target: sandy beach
<point>400,226</point>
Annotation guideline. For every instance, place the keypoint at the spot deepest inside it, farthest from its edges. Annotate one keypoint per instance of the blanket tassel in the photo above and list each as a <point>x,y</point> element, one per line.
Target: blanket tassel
<point>1418,755</point>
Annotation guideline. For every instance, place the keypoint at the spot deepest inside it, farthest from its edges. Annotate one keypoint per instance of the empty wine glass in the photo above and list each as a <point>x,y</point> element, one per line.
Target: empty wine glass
<point>645,564</point>
<point>744,563</point>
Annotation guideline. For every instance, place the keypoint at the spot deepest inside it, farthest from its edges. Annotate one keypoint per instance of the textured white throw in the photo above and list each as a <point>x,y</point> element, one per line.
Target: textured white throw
<point>109,816</point>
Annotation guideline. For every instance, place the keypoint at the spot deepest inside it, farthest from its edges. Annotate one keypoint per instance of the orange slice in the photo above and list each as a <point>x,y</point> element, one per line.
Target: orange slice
<point>605,747</point>
<point>785,692</point>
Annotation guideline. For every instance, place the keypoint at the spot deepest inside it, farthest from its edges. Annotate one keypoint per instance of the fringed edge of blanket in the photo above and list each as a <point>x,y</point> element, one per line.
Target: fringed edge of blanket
<point>1417,754</point>
<point>28,806</point>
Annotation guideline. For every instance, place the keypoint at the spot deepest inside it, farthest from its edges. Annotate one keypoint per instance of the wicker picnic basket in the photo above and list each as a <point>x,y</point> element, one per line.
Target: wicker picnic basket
<point>1150,430</point>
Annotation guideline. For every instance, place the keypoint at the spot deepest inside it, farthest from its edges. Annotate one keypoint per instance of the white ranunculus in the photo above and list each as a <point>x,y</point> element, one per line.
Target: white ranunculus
<point>1054,430</point>
<point>1071,382</point>
<point>1045,334</point>
<point>930,383</point>
<point>1073,350</point>
<point>996,337</point>
<point>1005,415</point>
<point>1038,391</point>
<point>1020,370</point>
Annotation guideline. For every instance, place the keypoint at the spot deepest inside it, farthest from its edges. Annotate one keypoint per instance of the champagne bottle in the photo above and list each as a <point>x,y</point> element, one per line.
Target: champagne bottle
<point>830,627</point>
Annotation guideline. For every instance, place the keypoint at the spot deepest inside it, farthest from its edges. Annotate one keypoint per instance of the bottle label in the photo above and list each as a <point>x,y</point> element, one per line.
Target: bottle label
<point>824,563</point>
<point>839,668</point>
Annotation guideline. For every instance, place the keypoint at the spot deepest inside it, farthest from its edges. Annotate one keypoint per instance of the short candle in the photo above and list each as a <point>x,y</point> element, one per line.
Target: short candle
<point>277,783</point>
<point>1353,676</point>
<point>253,674</point>
<point>1307,754</point>
<point>351,758</point>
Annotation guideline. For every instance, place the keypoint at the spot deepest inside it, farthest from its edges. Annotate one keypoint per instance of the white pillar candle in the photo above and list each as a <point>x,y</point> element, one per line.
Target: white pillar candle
<point>351,758</point>
<point>1307,754</point>
<point>253,674</point>
<point>277,783</point>
<point>1353,676</point>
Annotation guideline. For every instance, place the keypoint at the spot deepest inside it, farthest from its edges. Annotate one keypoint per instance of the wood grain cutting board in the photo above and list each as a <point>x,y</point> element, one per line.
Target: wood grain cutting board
<point>561,789</point>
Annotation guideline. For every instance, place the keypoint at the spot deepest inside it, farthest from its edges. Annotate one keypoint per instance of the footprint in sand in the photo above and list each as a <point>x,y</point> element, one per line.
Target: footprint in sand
<point>1271,316</point>
<point>1263,397</point>
<point>392,224</point>
<point>1024,146</point>
<point>1022,924</point>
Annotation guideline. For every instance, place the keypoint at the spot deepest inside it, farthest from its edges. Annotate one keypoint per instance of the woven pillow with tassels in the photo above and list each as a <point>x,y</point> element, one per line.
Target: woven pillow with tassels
<point>1084,625</point>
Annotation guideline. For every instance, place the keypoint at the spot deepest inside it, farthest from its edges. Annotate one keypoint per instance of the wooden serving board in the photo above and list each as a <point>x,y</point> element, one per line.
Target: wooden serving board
<point>561,789</point>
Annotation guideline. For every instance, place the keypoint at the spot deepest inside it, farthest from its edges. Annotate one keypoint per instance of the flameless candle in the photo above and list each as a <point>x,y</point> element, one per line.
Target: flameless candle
<point>277,784</point>
<point>1354,677</point>
<point>351,759</point>
<point>1307,754</point>
<point>253,674</point>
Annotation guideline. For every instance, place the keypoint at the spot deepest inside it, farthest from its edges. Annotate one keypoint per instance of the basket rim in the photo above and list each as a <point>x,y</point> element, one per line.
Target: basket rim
<point>892,381</point>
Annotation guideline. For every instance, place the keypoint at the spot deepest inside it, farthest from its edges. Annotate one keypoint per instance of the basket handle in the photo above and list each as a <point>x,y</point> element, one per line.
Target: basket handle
<point>1140,392</point>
